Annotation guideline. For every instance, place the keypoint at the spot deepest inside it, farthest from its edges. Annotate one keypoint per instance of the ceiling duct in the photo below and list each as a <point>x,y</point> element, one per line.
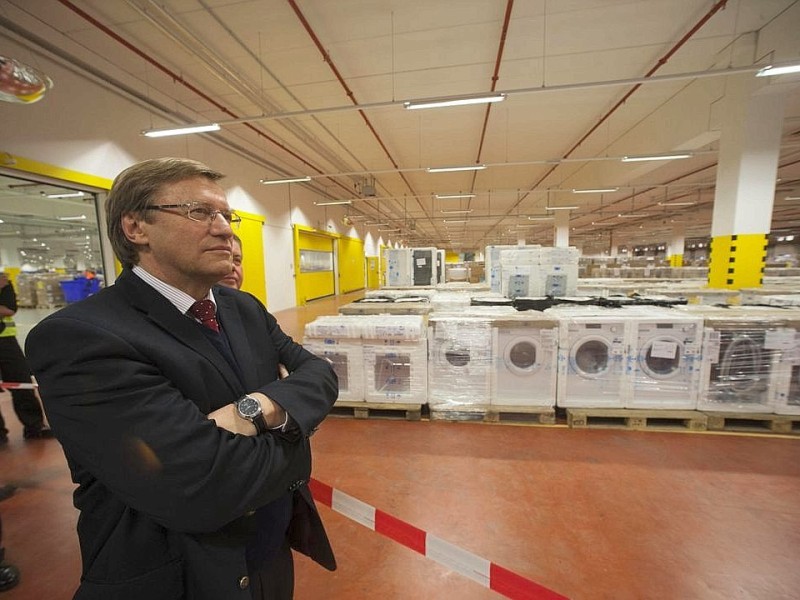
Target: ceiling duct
<point>368,188</point>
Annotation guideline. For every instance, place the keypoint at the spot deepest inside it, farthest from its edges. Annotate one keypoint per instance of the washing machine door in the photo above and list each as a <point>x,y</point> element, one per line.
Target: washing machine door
<point>522,355</point>
<point>743,365</point>
<point>590,357</point>
<point>454,354</point>
<point>661,357</point>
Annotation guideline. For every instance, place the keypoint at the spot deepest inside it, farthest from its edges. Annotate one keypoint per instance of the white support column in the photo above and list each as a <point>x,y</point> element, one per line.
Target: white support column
<point>752,123</point>
<point>676,245</point>
<point>561,238</point>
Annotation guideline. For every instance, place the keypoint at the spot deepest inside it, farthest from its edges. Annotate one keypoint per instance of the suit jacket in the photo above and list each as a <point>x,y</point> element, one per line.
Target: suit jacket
<point>166,498</point>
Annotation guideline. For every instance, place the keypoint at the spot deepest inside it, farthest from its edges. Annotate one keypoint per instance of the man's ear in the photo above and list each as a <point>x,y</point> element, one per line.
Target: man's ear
<point>133,230</point>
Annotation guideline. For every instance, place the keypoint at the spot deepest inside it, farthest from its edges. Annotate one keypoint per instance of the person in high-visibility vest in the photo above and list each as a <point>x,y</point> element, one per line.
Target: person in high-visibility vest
<point>14,369</point>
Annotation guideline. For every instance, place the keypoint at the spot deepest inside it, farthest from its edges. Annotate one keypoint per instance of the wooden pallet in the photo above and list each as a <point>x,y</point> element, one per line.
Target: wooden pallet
<point>377,410</point>
<point>637,418</point>
<point>757,422</point>
<point>495,414</point>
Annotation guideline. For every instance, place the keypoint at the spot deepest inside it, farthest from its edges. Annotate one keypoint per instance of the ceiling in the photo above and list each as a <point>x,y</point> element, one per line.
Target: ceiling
<point>316,88</point>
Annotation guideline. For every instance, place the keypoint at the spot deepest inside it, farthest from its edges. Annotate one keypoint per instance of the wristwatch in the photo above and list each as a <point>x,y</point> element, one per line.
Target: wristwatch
<point>249,408</point>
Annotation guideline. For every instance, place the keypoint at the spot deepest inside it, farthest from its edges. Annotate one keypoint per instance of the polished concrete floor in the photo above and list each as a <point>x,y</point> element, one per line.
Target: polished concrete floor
<point>588,513</point>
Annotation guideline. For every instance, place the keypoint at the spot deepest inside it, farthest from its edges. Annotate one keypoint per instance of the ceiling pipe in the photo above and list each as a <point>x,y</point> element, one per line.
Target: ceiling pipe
<point>719,5</point>
<point>179,79</point>
<point>327,58</point>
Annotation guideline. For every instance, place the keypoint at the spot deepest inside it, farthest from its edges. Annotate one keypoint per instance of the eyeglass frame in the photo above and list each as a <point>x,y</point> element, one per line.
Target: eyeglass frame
<point>230,216</point>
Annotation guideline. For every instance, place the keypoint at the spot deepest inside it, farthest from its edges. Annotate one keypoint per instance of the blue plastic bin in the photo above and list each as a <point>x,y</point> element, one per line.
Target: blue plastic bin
<point>79,288</point>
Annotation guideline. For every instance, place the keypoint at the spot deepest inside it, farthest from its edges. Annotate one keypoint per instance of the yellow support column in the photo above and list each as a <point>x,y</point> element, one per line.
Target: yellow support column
<point>676,260</point>
<point>737,261</point>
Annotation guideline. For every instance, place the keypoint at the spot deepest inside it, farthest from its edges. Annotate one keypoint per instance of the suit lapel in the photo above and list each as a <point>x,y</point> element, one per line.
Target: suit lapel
<point>164,315</point>
<point>234,328</point>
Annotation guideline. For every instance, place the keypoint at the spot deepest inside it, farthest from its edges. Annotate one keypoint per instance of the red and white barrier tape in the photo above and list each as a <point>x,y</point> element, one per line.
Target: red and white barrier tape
<point>488,574</point>
<point>17,386</point>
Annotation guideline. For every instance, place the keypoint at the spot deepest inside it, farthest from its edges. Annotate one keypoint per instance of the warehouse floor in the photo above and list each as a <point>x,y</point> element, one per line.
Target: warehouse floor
<point>586,513</point>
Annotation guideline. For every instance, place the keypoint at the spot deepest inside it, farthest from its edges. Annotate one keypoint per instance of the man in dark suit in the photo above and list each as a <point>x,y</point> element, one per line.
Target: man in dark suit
<point>190,453</point>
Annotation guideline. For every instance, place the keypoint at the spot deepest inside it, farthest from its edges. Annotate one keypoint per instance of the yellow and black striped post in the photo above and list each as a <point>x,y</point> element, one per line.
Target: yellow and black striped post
<point>737,261</point>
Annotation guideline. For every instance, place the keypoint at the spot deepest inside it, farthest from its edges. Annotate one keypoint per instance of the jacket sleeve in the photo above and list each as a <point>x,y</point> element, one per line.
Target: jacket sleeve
<point>122,420</point>
<point>310,390</point>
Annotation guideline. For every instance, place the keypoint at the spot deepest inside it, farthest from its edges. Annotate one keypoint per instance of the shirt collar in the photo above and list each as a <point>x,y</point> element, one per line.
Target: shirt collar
<point>180,299</point>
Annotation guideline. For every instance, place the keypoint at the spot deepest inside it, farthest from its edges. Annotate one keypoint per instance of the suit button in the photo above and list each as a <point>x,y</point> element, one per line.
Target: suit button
<point>244,582</point>
<point>296,485</point>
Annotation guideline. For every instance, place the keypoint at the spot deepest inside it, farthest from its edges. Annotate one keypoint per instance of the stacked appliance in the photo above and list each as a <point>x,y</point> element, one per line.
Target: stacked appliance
<point>743,349</point>
<point>592,356</point>
<point>338,339</point>
<point>395,351</point>
<point>410,267</point>
<point>664,361</point>
<point>539,271</point>
<point>525,350</point>
<point>460,360</point>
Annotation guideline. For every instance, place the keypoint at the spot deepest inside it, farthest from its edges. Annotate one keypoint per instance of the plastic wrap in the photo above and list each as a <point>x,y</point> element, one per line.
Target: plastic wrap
<point>743,349</point>
<point>395,351</point>
<point>347,358</point>
<point>337,338</point>
<point>460,367</point>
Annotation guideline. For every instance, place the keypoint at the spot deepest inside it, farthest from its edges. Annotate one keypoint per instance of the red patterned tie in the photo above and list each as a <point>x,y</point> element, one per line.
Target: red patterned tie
<point>205,311</point>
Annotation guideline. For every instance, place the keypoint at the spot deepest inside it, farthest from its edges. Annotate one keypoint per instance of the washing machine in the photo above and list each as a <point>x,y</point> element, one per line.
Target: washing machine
<point>592,357</point>
<point>786,382</point>
<point>664,358</point>
<point>460,361</point>
<point>525,351</point>
<point>742,354</point>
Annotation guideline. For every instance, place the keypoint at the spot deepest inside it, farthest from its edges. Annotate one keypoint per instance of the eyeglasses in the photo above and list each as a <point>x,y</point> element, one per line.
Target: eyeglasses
<point>202,213</point>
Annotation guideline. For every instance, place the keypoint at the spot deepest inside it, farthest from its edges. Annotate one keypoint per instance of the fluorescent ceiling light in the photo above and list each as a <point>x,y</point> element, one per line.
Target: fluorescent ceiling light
<point>288,180</point>
<point>450,169</point>
<point>75,218</point>
<point>633,216</point>
<point>770,70</point>
<point>375,224</point>
<point>456,212</point>
<point>455,101</point>
<point>595,191</point>
<point>792,198</point>
<point>389,230</point>
<point>561,207</point>
<point>333,203</point>
<point>453,196</point>
<point>654,157</point>
<point>687,203</point>
<point>155,133</point>
<point>65,195</point>
<point>542,218</point>
<point>450,221</point>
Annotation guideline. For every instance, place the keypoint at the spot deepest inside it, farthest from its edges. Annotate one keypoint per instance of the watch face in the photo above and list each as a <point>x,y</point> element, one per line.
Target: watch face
<point>249,407</point>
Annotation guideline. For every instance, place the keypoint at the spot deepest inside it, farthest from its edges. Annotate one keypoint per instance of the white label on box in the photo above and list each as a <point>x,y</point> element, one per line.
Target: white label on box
<point>421,262</point>
<point>782,339</point>
<point>662,349</point>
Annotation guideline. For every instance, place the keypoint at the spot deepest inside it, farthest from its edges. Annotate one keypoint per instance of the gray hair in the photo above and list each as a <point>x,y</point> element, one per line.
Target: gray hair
<point>136,187</point>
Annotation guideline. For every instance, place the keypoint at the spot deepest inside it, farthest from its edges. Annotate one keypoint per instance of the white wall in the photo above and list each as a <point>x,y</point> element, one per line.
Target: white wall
<point>83,127</point>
